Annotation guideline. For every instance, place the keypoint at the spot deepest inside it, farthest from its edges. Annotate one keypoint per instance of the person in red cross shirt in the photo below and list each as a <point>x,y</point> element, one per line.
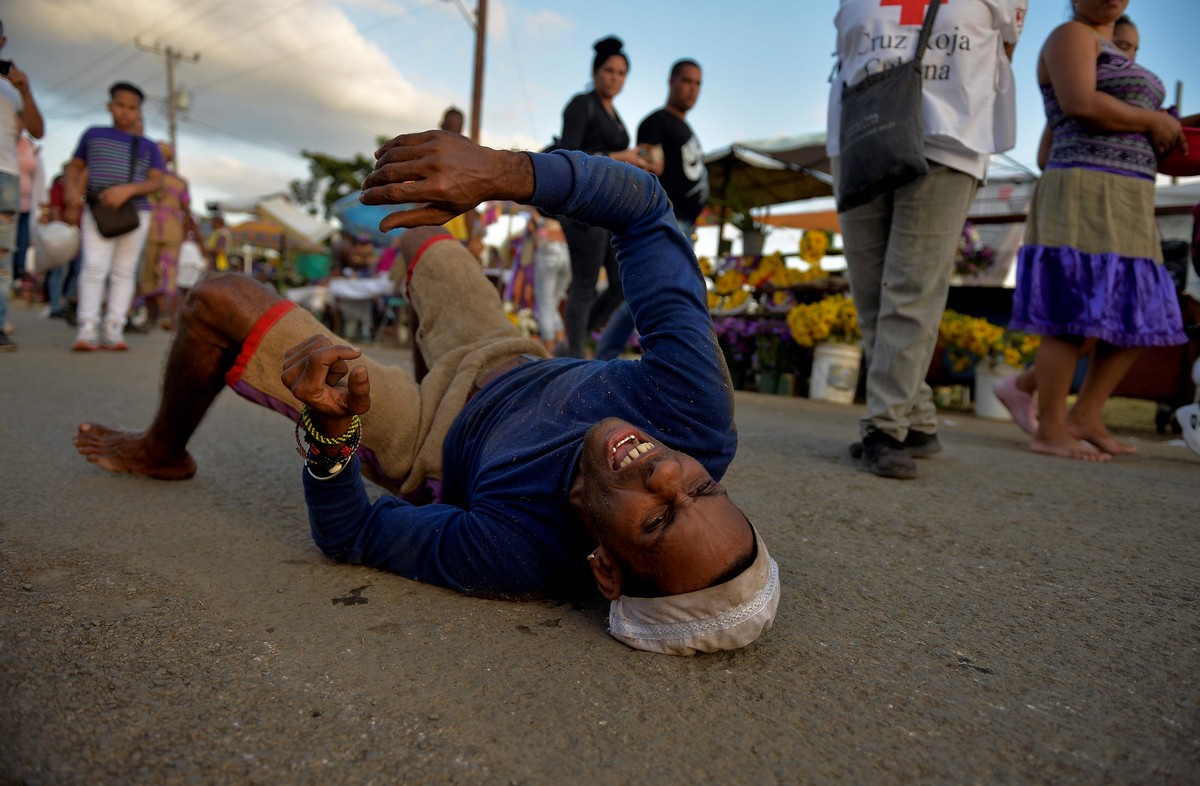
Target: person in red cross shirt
<point>900,246</point>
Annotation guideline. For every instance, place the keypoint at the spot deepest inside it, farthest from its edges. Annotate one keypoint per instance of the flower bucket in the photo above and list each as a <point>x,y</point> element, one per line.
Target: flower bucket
<point>987,376</point>
<point>835,372</point>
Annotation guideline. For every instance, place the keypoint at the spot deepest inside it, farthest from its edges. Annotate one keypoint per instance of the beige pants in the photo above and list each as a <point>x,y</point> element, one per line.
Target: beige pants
<point>463,334</point>
<point>899,253</point>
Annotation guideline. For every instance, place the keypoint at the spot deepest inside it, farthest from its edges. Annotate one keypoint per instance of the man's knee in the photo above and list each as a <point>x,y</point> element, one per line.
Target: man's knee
<point>229,303</point>
<point>8,231</point>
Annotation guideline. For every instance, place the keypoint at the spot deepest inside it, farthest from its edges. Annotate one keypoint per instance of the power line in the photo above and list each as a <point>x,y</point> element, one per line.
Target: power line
<point>171,57</point>
<point>223,41</point>
<point>96,77</point>
<point>521,80</point>
<point>87,69</point>
<point>211,10</point>
<point>241,136</point>
<point>308,48</point>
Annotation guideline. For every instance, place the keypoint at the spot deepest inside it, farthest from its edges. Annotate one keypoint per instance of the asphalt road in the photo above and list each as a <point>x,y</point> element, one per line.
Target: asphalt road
<point>1006,618</point>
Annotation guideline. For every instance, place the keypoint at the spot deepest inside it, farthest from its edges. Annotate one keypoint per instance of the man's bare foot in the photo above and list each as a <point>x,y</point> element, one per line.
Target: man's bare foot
<point>122,450</point>
<point>1099,435</point>
<point>1067,446</point>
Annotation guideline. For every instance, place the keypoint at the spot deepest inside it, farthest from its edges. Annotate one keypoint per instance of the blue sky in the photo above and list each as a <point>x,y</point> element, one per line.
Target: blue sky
<point>278,76</point>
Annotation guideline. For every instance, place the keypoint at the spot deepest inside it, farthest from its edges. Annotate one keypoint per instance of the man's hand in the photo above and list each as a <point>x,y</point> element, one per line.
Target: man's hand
<point>448,173</point>
<point>18,78</point>
<point>115,196</point>
<point>318,374</point>
<point>31,116</point>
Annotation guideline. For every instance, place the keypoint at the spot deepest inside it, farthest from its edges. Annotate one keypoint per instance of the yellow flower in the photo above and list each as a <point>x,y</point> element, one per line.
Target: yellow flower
<point>813,244</point>
<point>729,281</point>
<point>832,318</point>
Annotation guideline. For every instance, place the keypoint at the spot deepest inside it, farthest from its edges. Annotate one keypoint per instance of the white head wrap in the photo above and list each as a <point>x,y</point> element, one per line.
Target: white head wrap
<point>725,617</point>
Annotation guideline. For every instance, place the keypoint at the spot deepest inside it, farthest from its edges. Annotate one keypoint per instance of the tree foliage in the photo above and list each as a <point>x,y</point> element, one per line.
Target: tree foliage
<point>330,179</point>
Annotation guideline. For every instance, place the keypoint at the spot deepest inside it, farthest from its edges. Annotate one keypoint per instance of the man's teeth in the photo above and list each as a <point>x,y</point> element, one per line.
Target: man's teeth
<point>641,449</point>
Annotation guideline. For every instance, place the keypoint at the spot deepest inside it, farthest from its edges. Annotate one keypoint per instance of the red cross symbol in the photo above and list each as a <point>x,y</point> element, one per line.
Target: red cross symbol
<point>912,12</point>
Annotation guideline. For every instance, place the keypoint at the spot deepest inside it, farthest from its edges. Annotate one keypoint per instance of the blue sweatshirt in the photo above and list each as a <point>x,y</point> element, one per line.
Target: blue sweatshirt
<point>504,527</point>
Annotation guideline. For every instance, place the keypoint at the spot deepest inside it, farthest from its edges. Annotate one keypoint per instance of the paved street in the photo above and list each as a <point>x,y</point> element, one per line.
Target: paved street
<point>1006,618</point>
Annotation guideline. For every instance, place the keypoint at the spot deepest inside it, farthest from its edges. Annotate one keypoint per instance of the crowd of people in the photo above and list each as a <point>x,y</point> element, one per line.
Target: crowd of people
<point>126,212</point>
<point>519,467</point>
<point>1090,273</point>
<point>575,290</point>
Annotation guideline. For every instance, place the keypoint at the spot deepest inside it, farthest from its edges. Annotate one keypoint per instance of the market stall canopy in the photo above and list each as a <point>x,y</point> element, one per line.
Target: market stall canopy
<point>359,219</point>
<point>294,220</point>
<point>262,233</point>
<point>769,172</point>
<point>812,219</point>
<point>800,150</point>
<point>280,209</point>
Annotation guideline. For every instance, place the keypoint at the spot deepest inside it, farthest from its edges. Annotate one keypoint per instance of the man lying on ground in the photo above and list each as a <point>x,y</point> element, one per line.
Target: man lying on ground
<point>526,470</point>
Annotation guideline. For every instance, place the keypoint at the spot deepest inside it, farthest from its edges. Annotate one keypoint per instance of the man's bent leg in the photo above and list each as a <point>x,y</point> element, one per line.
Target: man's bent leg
<point>455,303</point>
<point>463,333</point>
<point>389,427</point>
<point>218,316</point>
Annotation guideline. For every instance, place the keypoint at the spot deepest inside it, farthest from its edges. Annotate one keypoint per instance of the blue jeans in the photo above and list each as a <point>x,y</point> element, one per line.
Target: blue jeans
<point>60,285</point>
<point>10,206</point>
<point>21,248</point>
<point>551,277</point>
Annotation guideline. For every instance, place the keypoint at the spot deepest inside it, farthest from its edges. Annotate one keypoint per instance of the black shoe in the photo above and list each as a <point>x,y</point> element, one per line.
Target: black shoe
<point>885,456</point>
<point>917,443</point>
<point>920,445</point>
<point>131,327</point>
<point>6,343</point>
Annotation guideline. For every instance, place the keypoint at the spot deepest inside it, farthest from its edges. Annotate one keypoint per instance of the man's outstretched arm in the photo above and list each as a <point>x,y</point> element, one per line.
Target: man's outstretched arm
<point>448,173</point>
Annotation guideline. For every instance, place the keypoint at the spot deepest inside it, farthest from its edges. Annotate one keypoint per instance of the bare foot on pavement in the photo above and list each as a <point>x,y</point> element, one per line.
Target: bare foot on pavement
<point>1021,405</point>
<point>1069,447</point>
<point>1101,437</point>
<point>123,450</point>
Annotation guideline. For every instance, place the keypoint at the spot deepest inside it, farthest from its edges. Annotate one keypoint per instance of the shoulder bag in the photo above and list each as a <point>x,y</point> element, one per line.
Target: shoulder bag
<point>116,221</point>
<point>881,139</point>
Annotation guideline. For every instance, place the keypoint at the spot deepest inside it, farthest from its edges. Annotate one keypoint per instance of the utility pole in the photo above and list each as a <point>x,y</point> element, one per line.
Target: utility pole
<point>177,99</point>
<point>477,83</point>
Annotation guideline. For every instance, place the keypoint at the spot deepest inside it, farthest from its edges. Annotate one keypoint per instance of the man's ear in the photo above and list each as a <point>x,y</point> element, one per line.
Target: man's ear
<point>608,575</point>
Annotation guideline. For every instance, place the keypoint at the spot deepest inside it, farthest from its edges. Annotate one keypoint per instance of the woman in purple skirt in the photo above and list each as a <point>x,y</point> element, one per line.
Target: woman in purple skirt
<point>1091,266</point>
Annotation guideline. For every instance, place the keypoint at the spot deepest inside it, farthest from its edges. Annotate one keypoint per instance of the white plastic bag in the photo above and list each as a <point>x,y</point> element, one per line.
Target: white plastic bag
<point>191,265</point>
<point>54,244</point>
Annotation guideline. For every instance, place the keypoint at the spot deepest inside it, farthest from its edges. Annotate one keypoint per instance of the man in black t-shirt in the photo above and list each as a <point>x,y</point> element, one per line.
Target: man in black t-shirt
<point>681,171</point>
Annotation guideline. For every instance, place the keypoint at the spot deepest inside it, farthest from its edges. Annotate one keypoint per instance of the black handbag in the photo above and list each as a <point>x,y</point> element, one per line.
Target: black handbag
<point>881,138</point>
<point>116,221</point>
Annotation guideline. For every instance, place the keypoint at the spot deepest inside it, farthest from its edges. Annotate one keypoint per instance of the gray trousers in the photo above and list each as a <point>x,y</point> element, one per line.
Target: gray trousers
<point>899,254</point>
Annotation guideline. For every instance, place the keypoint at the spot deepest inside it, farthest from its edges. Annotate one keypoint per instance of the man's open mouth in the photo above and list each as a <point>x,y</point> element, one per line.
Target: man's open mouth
<point>627,450</point>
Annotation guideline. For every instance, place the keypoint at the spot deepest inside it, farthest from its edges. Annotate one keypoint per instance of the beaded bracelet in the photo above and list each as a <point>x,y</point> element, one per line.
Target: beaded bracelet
<point>318,459</point>
<point>311,428</point>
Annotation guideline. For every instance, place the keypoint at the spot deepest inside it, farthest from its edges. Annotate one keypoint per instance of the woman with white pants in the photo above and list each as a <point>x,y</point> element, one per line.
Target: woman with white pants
<point>114,164</point>
<point>111,260</point>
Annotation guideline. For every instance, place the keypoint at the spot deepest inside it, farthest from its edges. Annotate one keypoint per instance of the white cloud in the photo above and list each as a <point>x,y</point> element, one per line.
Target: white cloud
<point>225,175</point>
<point>546,24</point>
<point>274,77</point>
